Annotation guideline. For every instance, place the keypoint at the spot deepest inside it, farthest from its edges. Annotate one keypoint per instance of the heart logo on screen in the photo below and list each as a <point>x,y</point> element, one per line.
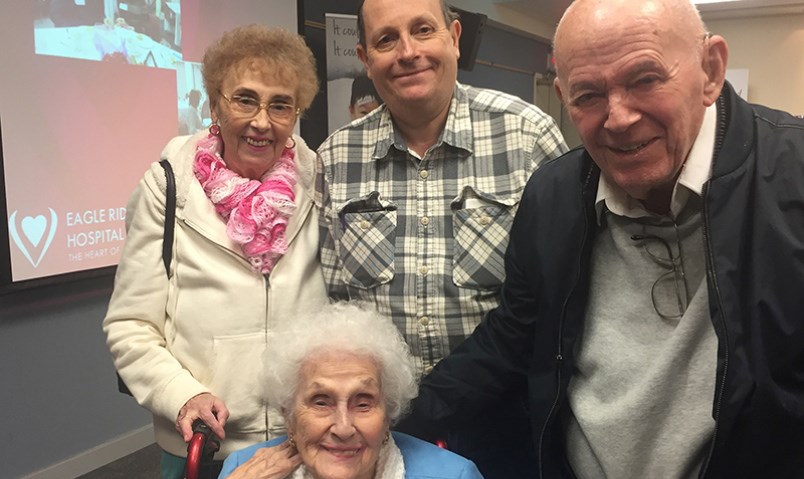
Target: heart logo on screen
<point>34,228</point>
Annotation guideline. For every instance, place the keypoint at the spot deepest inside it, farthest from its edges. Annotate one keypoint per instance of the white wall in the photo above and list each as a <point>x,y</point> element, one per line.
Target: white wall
<point>772,49</point>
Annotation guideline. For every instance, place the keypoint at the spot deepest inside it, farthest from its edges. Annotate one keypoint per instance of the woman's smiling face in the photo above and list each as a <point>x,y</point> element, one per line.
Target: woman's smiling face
<point>253,143</point>
<point>339,421</point>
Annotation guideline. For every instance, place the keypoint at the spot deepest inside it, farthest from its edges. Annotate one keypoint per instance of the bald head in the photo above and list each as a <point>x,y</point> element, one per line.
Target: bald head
<point>636,77</point>
<point>587,20</point>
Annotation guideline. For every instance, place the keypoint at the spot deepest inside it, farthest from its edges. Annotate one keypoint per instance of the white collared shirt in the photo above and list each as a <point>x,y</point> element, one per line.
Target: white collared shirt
<point>696,171</point>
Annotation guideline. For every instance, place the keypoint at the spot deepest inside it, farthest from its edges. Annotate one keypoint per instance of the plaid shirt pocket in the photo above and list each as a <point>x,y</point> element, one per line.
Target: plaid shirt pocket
<point>481,238</point>
<point>366,248</point>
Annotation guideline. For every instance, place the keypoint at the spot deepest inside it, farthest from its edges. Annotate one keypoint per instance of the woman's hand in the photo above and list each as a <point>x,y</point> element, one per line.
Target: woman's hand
<point>269,463</point>
<point>206,407</point>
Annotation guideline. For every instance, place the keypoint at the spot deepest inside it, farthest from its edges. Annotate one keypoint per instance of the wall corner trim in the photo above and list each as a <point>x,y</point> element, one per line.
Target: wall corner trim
<point>98,456</point>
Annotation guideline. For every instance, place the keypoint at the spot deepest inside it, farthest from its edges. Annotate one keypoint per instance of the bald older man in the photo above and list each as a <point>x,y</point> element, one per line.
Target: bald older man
<point>655,278</point>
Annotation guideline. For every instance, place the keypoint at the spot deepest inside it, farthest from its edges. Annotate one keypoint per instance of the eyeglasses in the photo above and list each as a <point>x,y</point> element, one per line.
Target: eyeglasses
<point>248,107</point>
<point>661,293</point>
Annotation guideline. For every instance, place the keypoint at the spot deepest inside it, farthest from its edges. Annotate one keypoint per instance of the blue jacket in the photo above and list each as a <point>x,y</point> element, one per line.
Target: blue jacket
<point>753,237</point>
<point>422,459</point>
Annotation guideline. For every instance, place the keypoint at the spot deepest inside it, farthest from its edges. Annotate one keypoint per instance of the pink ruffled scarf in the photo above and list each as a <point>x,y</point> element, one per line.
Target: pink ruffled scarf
<point>256,212</point>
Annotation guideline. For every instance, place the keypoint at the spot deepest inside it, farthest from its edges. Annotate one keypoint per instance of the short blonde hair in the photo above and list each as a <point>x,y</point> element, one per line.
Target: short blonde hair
<point>283,51</point>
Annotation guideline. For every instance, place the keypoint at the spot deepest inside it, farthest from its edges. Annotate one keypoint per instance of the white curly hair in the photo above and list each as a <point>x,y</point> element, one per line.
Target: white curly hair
<point>350,328</point>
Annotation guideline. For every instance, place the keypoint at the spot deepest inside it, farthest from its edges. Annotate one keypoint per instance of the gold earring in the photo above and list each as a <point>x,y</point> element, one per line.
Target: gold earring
<point>291,441</point>
<point>387,437</point>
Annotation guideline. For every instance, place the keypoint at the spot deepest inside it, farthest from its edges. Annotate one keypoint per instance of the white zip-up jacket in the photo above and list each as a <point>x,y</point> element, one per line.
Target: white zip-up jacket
<point>204,328</point>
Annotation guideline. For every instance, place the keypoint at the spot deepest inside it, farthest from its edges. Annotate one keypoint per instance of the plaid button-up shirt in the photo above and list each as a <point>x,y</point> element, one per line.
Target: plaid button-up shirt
<point>423,239</point>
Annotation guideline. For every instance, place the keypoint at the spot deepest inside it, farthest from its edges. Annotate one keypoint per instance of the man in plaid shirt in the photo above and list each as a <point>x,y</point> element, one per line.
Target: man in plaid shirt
<point>417,198</point>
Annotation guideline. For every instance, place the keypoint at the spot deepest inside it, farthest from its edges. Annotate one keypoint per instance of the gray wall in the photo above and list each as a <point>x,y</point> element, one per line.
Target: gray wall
<point>58,393</point>
<point>517,57</point>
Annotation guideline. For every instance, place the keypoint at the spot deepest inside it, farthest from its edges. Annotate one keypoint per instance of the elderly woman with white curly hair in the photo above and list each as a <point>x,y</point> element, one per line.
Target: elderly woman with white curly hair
<point>341,378</point>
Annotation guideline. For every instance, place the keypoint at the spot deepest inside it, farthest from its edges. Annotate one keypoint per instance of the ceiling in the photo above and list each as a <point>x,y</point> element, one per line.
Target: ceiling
<point>551,10</point>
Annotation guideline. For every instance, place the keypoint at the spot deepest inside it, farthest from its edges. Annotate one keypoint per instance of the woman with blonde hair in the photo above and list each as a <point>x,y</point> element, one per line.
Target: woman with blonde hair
<point>188,343</point>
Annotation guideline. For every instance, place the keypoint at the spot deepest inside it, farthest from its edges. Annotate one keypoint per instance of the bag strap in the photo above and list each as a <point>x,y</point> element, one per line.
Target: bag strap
<point>170,214</point>
<point>167,241</point>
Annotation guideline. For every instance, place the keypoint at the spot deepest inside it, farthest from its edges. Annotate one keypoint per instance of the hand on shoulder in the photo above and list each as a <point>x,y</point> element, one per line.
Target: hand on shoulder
<point>269,463</point>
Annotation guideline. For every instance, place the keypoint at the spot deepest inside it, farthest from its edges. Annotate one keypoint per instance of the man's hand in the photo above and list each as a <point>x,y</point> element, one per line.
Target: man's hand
<point>206,407</point>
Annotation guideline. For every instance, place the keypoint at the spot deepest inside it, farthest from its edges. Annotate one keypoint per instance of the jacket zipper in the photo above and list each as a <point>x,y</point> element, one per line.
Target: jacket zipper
<point>559,355</point>
<point>710,270</point>
<point>559,360</point>
<point>264,403</point>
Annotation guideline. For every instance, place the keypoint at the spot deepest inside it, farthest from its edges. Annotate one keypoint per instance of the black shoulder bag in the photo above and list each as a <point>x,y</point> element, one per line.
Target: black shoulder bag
<point>167,241</point>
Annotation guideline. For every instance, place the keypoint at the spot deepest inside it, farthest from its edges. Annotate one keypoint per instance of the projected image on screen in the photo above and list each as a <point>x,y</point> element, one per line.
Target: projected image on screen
<point>138,32</point>
<point>193,101</point>
<point>92,92</point>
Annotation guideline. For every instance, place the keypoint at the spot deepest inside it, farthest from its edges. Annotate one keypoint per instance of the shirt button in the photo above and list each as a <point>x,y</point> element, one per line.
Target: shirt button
<point>424,220</point>
<point>485,220</point>
<point>423,270</point>
<point>424,174</point>
<point>428,370</point>
<point>424,320</point>
<point>365,225</point>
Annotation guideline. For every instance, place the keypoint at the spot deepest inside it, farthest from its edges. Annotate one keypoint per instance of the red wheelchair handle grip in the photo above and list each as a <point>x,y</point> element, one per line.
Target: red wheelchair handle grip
<point>195,450</point>
<point>203,442</point>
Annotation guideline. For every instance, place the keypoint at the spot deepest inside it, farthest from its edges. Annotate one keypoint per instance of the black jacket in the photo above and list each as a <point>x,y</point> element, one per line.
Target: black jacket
<point>754,246</point>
